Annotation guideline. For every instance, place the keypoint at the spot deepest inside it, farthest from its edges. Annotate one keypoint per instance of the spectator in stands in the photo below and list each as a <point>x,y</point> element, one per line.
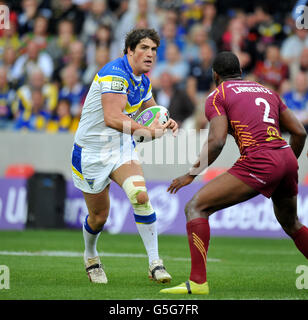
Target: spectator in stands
<point>31,59</point>
<point>37,81</point>
<point>169,35</point>
<point>10,38</point>
<point>58,47</point>
<point>7,61</point>
<point>98,15</point>
<point>103,35</point>
<point>293,46</point>
<point>102,38</point>
<point>300,64</point>
<point>139,10</point>
<point>30,9</point>
<point>118,7</point>
<point>7,96</point>
<point>62,121</point>
<point>36,118</point>
<point>142,23</point>
<point>26,17</point>
<point>197,37</point>
<point>191,11</point>
<point>172,15</point>
<point>174,99</point>
<point>39,34</point>
<point>272,71</point>
<point>267,30</point>
<point>102,57</point>
<point>200,79</point>
<point>66,9</point>
<point>213,24</point>
<point>72,89</point>
<point>297,98</point>
<point>76,56</point>
<point>174,64</point>
<point>235,39</point>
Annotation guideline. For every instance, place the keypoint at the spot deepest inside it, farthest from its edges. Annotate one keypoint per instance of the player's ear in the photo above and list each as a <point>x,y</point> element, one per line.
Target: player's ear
<point>130,52</point>
<point>215,77</point>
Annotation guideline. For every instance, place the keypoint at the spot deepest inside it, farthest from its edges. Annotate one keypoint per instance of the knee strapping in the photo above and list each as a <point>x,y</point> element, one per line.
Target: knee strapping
<point>134,186</point>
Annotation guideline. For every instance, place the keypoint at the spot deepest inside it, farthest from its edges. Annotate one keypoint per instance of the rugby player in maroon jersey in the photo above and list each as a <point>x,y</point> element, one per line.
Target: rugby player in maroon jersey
<point>254,115</point>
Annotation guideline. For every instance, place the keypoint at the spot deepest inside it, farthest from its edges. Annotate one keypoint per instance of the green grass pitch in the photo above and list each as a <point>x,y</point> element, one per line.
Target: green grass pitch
<point>48,265</point>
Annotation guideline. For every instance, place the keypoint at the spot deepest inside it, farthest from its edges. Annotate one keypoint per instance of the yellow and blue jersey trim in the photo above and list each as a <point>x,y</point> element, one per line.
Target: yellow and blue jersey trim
<point>119,70</point>
<point>76,161</point>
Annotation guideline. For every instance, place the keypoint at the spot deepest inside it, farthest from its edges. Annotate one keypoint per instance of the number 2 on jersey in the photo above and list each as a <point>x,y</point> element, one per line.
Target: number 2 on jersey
<point>266,118</point>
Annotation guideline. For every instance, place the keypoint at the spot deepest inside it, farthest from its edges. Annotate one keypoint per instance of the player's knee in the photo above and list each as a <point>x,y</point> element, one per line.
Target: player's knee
<point>142,197</point>
<point>190,210</point>
<point>290,226</point>
<point>136,192</point>
<point>193,210</point>
<point>187,209</point>
<point>99,218</point>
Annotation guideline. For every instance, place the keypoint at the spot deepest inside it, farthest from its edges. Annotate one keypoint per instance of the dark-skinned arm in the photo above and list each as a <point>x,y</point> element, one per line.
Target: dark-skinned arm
<point>210,151</point>
<point>297,131</point>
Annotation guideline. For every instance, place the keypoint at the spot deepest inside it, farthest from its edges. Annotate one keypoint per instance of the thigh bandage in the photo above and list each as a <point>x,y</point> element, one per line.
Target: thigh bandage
<point>144,212</point>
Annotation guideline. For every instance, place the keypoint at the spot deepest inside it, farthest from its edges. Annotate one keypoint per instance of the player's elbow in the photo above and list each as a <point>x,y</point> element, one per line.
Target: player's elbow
<point>218,143</point>
<point>300,132</point>
<point>110,121</point>
<point>304,135</point>
<point>219,139</point>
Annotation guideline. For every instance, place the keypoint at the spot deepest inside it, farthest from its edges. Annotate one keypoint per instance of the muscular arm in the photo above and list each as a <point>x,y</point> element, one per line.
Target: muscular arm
<point>150,103</point>
<point>213,146</point>
<point>113,106</point>
<point>209,153</point>
<point>297,131</point>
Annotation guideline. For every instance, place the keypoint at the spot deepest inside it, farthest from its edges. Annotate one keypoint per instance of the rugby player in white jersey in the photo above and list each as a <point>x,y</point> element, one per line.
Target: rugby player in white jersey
<point>104,149</point>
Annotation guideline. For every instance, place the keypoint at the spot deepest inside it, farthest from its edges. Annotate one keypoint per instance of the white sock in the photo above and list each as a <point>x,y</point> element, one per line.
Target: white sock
<point>148,233</point>
<point>90,241</point>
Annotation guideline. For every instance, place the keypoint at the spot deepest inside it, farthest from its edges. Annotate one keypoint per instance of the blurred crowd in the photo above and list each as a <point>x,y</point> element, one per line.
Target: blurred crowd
<point>53,49</point>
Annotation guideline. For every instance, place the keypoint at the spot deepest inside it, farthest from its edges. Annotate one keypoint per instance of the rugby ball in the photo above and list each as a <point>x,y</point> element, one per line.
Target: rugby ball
<point>147,116</point>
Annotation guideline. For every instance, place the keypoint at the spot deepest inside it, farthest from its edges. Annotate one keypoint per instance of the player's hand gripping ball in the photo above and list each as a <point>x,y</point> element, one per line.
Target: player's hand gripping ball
<point>147,116</point>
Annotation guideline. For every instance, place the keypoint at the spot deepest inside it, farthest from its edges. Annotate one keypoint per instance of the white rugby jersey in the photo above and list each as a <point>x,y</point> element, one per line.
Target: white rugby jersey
<point>115,77</point>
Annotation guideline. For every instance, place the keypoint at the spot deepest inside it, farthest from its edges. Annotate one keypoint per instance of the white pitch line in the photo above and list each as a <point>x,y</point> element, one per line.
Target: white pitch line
<point>70,254</point>
<point>269,252</point>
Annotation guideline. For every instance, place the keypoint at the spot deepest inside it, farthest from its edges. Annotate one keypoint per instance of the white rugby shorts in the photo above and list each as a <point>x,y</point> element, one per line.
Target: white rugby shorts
<point>91,168</point>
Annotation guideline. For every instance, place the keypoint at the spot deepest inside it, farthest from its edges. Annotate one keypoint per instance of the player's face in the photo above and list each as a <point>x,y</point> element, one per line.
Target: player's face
<point>143,57</point>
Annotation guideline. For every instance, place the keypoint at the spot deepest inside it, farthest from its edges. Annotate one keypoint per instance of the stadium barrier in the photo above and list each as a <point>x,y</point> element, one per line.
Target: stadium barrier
<point>253,218</point>
<point>162,160</point>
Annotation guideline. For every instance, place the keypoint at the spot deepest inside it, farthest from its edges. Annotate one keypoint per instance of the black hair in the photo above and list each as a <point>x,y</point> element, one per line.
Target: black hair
<point>134,37</point>
<point>227,64</point>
